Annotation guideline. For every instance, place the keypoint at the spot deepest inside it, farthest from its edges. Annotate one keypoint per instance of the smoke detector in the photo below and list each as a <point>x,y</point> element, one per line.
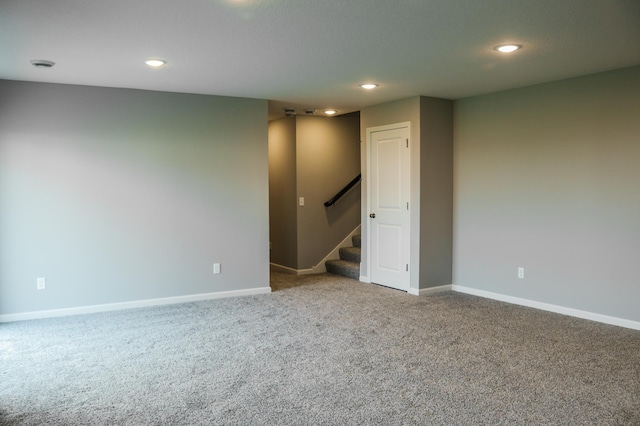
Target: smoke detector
<point>42,63</point>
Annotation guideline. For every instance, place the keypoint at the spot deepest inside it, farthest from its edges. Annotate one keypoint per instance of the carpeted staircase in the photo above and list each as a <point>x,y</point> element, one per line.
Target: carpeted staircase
<point>349,263</point>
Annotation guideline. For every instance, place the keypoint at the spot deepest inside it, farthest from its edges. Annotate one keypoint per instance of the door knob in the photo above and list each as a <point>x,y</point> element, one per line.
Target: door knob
<point>372,215</point>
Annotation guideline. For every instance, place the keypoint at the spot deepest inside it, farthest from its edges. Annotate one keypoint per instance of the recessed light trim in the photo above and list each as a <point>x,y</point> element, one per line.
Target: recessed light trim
<point>369,86</point>
<point>508,48</point>
<point>330,111</point>
<point>155,63</point>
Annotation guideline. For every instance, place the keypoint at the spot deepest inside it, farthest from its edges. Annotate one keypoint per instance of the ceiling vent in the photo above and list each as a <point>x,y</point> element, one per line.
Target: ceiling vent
<point>290,112</point>
<point>42,63</point>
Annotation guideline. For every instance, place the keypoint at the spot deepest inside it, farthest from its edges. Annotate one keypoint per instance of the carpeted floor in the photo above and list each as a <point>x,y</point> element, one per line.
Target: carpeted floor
<point>321,350</point>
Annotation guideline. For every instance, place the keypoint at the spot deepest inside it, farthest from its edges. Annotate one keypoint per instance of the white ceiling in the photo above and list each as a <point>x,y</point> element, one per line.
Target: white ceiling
<point>314,53</point>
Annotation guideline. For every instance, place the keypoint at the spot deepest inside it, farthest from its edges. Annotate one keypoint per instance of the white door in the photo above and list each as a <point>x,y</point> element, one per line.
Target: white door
<point>389,189</point>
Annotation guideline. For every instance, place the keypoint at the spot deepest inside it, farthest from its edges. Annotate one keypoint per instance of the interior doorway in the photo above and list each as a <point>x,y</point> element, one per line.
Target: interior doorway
<point>388,192</point>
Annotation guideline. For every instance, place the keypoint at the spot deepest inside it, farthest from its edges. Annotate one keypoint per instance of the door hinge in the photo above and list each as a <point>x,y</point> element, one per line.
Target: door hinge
<point>407,143</point>
<point>407,205</point>
<point>407,267</point>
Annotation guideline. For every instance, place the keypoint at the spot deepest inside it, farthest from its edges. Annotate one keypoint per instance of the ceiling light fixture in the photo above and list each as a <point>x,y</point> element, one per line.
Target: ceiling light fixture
<point>507,48</point>
<point>155,63</point>
<point>369,86</point>
<point>330,111</point>
<point>42,63</point>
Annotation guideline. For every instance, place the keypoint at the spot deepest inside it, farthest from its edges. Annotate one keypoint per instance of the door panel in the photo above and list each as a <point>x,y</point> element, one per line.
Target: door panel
<point>389,252</point>
<point>388,165</point>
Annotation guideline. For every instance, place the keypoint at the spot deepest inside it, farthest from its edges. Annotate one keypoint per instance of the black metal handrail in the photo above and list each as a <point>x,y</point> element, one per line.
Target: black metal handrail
<point>343,191</point>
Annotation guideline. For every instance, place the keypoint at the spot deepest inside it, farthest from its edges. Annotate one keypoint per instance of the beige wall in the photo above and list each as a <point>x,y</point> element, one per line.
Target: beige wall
<point>283,229</point>
<point>118,195</point>
<point>547,178</point>
<point>325,155</point>
<point>328,158</point>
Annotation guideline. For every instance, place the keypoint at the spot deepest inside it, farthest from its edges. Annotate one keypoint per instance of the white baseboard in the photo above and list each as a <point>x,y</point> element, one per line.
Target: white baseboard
<point>430,290</point>
<point>621,322</point>
<point>282,268</point>
<point>364,279</point>
<point>292,271</point>
<point>129,305</point>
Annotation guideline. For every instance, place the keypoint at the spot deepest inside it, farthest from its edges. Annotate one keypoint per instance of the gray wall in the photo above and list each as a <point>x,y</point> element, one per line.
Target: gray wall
<point>119,195</point>
<point>431,121</point>
<point>283,211</point>
<point>436,191</point>
<point>548,178</point>
<point>327,158</point>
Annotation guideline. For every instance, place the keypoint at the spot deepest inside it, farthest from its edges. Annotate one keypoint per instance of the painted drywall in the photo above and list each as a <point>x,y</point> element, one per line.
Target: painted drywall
<point>405,110</point>
<point>431,204</point>
<point>118,195</point>
<point>283,229</point>
<point>436,192</point>
<point>327,159</point>
<point>547,178</point>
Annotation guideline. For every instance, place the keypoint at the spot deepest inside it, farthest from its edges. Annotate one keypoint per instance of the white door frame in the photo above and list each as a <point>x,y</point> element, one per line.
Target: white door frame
<point>365,215</point>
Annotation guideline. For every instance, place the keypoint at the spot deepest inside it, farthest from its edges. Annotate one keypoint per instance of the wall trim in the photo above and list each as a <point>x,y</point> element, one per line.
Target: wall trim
<point>606,319</point>
<point>92,309</point>
<point>282,268</point>
<point>288,270</point>
<point>430,290</point>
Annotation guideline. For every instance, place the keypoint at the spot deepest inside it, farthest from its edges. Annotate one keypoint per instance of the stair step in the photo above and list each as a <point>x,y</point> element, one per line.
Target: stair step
<point>357,240</point>
<point>351,253</point>
<point>344,268</point>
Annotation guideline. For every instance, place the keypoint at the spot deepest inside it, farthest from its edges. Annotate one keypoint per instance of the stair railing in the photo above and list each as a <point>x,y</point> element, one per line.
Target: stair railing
<point>343,191</point>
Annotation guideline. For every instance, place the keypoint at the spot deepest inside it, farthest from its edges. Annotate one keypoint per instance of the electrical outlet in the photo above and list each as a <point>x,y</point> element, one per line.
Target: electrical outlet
<point>521,272</point>
<point>216,268</point>
<point>41,284</point>
<point>301,201</point>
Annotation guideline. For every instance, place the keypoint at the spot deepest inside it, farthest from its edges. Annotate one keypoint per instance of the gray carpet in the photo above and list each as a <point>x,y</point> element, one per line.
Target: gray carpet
<point>321,350</point>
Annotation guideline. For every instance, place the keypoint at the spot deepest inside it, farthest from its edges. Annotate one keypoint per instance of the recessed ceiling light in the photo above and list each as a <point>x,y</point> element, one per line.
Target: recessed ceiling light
<point>155,63</point>
<point>330,111</point>
<point>369,86</point>
<point>507,48</point>
<point>42,63</point>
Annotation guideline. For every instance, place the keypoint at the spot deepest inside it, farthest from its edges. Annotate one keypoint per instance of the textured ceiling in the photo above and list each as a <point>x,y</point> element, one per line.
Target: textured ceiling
<point>312,53</point>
